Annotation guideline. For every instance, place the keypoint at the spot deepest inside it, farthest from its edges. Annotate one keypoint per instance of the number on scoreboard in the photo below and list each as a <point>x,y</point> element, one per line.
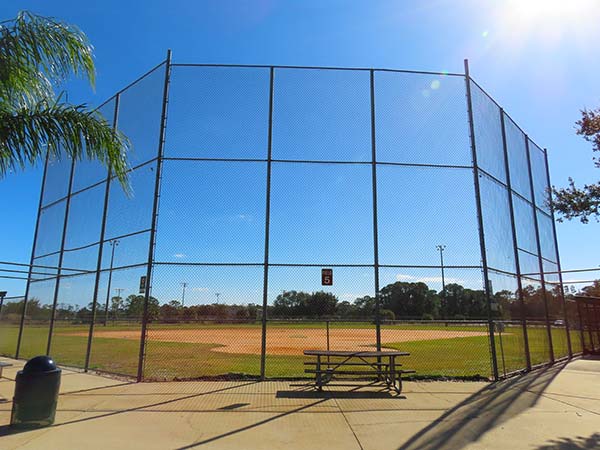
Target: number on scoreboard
<point>143,284</point>
<point>327,277</point>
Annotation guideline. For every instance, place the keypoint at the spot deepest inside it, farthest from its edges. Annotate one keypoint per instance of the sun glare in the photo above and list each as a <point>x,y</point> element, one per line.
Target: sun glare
<point>548,20</point>
<point>561,10</point>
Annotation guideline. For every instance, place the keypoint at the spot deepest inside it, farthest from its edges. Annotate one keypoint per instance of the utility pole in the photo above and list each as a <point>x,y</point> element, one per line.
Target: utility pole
<point>184,285</point>
<point>113,243</point>
<point>441,249</point>
<point>118,291</point>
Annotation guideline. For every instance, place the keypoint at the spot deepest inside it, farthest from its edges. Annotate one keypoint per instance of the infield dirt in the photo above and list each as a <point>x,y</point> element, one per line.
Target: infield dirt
<point>282,341</point>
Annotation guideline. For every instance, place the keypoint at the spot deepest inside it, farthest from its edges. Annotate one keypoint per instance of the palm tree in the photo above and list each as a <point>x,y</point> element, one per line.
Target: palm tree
<point>37,54</point>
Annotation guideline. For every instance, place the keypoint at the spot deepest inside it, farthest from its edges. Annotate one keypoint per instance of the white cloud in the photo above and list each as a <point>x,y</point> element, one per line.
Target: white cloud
<point>353,296</point>
<point>179,255</point>
<point>200,289</point>
<point>244,217</point>
<point>404,277</point>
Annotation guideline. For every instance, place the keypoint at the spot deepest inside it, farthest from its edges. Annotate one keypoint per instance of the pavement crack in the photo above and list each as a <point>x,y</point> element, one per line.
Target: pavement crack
<point>348,423</point>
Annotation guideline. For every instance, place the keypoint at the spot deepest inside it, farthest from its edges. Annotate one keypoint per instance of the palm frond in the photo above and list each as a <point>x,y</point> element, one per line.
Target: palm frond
<point>22,86</point>
<point>27,133</point>
<point>44,43</point>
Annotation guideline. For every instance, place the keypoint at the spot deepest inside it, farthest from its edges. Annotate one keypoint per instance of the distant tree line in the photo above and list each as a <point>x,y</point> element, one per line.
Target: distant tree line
<point>399,300</point>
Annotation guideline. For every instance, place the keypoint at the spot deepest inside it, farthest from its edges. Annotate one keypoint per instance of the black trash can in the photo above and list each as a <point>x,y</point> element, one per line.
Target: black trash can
<point>36,394</point>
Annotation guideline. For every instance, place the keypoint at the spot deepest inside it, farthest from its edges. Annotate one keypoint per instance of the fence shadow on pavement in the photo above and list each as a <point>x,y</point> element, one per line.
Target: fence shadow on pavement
<point>6,430</point>
<point>578,443</point>
<point>484,410</point>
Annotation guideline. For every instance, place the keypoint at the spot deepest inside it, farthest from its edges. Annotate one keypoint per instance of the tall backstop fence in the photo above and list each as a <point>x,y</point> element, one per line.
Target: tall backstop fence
<point>277,209</point>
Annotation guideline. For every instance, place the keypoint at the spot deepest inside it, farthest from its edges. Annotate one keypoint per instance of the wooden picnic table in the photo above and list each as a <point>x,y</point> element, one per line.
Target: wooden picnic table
<point>334,364</point>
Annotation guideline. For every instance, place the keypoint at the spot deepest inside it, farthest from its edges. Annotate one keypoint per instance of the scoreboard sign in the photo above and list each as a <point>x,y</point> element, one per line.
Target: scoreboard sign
<point>327,277</point>
<point>143,284</point>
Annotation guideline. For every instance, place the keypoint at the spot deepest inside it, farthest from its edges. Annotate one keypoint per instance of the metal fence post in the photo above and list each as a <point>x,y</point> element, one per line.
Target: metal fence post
<point>100,247</point>
<point>539,250</point>
<point>263,342</point>
<point>31,259</point>
<point>480,223</point>
<point>560,279</point>
<point>589,322</point>
<point>515,244</point>
<point>60,258</point>
<point>581,336</point>
<point>159,160</point>
<point>596,309</point>
<point>375,226</point>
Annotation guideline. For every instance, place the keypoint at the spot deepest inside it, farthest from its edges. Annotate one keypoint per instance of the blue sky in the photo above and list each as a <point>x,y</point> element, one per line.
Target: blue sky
<point>537,61</point>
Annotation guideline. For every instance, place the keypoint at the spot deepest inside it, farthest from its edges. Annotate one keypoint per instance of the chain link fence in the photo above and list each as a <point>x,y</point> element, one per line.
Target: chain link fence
<point>280,209</point>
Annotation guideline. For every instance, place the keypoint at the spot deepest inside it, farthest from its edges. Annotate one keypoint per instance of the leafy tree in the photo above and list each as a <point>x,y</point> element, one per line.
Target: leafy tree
<point>321,304</point>
<point>460,302</point>
<point>593,290</point>
<point>474,304</point>
<point>37,54</point>
<point>365,306</point>
<point>12,307</point>
<point>303,304</point>
<point>508,303</point>
<point>220,310</point>
<point>188,314</point>
<point>345,309</point>
<point>408,299</point>
<point>583,203</point>
<point>290,304</point>
<point>452,302</point>
<point>387,314</point>
<point>36,311</point>
<point>535,308</point>
<point>253,310</point>
<point>84,315</point>
<point>242,313</point>
<point>170,311</point>
<point>134,307</point>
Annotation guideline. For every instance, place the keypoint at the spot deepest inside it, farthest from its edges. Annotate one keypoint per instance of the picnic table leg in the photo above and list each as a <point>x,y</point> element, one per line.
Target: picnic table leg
<point>392,370</point>
<point>399,372</point>
<point>318,374</point>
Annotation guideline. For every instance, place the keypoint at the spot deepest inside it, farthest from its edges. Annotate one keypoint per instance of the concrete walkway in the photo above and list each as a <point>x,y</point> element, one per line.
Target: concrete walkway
<point>555,408</point>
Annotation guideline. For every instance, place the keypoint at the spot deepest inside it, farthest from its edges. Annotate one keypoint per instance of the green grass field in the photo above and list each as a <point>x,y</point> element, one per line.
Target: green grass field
<point>453,357</point>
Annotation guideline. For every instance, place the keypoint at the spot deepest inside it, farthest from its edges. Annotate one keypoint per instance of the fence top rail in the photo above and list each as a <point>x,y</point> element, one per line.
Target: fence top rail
<point>14,297</point>
<point>283,66</point>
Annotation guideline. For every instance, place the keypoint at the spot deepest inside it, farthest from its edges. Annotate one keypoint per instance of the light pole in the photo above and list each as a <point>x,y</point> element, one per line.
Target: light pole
<point>441,249</point>
<point>184,285</point>
<point>217,294</point>
<point>113,243</point>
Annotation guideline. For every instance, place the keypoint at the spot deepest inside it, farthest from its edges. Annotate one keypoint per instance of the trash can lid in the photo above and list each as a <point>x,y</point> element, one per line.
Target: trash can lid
<point>39,364</point>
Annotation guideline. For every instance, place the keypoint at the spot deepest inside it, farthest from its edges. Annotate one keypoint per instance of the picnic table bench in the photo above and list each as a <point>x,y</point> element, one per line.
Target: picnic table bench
<point>352,365</point>
<point>3,365</point>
